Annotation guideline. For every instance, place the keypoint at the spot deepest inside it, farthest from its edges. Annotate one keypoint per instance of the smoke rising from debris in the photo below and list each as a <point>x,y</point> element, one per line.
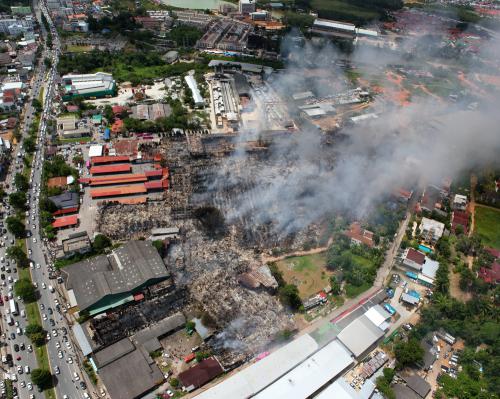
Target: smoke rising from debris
<point>309,175</point>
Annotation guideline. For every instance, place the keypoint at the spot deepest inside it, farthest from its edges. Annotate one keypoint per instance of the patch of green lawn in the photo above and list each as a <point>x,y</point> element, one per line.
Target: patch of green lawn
<point>487,226</point>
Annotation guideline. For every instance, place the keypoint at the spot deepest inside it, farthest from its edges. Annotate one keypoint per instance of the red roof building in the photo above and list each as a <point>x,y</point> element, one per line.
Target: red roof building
<point>359,235</point>
<point>117,191</point>
<point>494,252</point>
<point>120,168</point>
<point>156,184</point>
<point>65,211</point>
<point>490,276</point>
<point>413,259</point>
<point>117,126</point>
<point>72,108</point>
<point>118,109</point>
<point>65,221</point>
<point>117,179</point>
<point>460,218</point>
<point>200,374</point>
<point>109,159</point>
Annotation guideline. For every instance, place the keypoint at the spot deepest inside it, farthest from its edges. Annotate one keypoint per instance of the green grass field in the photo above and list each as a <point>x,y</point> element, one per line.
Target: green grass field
<point>75,140</point>
<point>308,273</point>
<point>78,49</point>
<point>487,226</point>
<point>352,291</point>
<point>342,7</point>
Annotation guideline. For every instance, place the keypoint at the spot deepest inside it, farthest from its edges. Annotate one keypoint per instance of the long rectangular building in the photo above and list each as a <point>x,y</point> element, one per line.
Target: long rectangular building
<point>263,373</point>
<point>99,84</point>
<point>117,191</point>
<point>312,374</point>
<point>119,168</point>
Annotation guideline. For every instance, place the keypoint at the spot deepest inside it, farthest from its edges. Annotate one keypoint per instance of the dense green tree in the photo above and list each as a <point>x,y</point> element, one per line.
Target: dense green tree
<point>15,226</point>
<point>101,242</point>
<point>16,253</point>
<point>41,377</point>
<point>289,296</point>
<point>335,284</point>
<point>25,289</point>
<point>21,182</point>
<point>408,353</point>
<point>18,200</point>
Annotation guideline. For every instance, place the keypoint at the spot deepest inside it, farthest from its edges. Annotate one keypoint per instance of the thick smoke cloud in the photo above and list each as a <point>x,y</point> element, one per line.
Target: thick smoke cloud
<point>309,175</point>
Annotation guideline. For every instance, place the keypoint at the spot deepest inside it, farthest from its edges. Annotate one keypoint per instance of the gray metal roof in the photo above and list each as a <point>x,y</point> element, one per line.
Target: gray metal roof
<point>127,268</point>
<point>129,372</point>
<point>359,335</point>
<point>148,337</point>
<point>66,200</point>
<point>82,340</point>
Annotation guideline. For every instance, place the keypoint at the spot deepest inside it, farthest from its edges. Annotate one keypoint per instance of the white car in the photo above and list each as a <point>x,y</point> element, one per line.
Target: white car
<point>57,370</point>
<point>44,286</point>
<point>58,345</point>
<point>34,240</point>
<point>44,317</point>
<point>54,333</point>
<point>70,360</point>
<point>30,386</point>
<point>60,355</point>
<point>30,348</point>
<point>19,370</point>
<point>23,384</point>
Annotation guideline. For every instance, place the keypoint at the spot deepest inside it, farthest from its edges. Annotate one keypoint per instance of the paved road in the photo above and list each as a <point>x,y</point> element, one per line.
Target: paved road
<point>66,386</point>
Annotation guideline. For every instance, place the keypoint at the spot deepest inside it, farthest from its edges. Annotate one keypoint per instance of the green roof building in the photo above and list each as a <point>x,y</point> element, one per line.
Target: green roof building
<point>95,85</point>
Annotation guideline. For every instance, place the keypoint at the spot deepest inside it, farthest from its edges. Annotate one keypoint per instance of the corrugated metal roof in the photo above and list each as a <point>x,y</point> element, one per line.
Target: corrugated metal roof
<point>117,179</point>
<point>257,376</point>
<point>310,375</point>
<point>116,191</point>
<point>65,221</point>
<point>83,343</point>
<point>65,211</point>
<point>110,169</point>
<point>109,159</point>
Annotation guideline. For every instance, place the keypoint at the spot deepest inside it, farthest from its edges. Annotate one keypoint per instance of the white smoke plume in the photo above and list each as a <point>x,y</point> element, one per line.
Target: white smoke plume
<point>309,175</point>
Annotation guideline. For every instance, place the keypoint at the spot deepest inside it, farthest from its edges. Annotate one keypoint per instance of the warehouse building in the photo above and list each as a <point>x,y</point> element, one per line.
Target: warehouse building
<point>127,371</point>
<point>258,376</point>
<point>67,200</point>
<point>107,281</point>
<point>312,374</point>
<point>94,85</point>
<point>193,86</point>
<point>199,375</point>
<point>360,336</point>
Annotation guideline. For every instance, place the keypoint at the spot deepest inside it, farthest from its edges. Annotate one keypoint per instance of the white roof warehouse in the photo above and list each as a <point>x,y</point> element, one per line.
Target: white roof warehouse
<point>193,86</point>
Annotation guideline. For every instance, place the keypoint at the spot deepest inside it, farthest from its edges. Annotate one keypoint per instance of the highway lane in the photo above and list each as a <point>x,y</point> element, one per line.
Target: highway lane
<point>66,386</point>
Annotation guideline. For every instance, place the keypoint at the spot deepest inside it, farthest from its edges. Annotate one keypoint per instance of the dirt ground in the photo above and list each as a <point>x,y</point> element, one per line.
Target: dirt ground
<point>155,92</point>
<point>177,346</point>
<point>308,273</point>
<point>455,290</point>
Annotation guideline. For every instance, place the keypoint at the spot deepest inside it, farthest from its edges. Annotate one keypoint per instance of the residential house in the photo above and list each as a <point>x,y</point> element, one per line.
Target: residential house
<point>460,202</point>
<point>431,230</point>
<point>490,275</point>
<point>359,236</point>
<point>413,259</point>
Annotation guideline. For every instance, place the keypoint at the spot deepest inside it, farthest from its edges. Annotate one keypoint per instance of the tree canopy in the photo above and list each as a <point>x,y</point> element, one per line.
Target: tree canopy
<point>25,289</point>
<point>41,377</point>
<point>15,226</point>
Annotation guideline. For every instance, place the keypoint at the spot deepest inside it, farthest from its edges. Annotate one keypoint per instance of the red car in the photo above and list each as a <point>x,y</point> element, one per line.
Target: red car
<point>18,358</point>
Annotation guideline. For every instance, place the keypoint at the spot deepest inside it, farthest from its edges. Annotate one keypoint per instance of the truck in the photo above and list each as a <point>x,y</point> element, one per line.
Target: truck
<point>14,309</point>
